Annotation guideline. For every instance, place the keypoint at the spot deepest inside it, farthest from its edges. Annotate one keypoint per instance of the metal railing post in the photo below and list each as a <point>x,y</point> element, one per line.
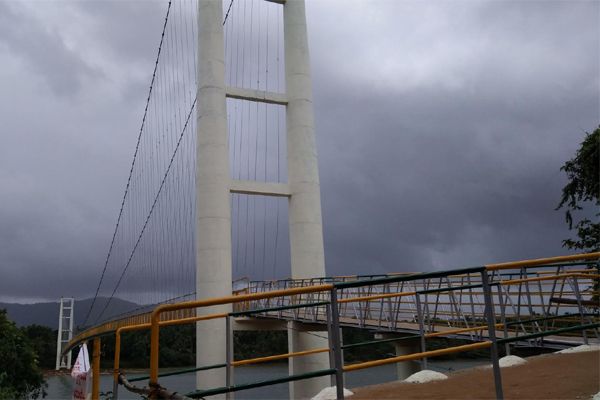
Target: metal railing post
<point>330,341</point>
<point>491,323</point>
<point>115,394</point>
<point>596,292</point>
<point>96,369</point>
<point>421,329</point>
<point>228,355</point>
<point>337,345</point>
<point>542,302</point>
<point>579,307</point>
<point>503,319</point>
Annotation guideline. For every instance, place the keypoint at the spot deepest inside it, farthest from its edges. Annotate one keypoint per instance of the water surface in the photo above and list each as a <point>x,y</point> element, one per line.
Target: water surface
<point>61,387</point>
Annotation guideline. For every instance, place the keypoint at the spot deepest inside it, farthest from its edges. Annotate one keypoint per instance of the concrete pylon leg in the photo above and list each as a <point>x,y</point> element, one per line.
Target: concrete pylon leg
<point>404,347</point>
<point>298,340</point>
<point>406,368</point>
<point>306,231</point>
<point>213,220</point>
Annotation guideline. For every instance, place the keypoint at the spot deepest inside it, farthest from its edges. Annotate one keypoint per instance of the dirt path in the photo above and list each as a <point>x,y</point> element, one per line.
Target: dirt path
<point>550,376</point>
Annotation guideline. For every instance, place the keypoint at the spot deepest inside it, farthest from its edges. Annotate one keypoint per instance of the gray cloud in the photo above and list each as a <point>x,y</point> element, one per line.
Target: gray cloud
<point>441,130</point>
<point>461,165</point>
<point>43,51</point>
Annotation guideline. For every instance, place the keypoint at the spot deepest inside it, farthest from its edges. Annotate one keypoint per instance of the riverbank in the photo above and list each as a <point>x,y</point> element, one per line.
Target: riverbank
<point>548,376</point>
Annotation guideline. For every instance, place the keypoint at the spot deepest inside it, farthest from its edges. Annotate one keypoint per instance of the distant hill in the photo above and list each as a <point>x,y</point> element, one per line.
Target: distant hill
<point>46,314</point>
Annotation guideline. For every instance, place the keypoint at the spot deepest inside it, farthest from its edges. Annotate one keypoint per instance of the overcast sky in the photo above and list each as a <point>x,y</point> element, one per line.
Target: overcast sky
<point>441,129</point>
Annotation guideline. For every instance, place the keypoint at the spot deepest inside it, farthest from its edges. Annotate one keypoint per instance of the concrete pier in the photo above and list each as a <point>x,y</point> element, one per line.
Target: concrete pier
<point>213,185</point>
<point>401,348</point>
<point>213,224</point>
<point>305,221</point>
<point>305,337</point>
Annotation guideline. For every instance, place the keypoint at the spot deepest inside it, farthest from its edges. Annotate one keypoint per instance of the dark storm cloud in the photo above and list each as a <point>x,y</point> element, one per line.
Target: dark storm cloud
<point>430,193</point>
<point>458,165</point>
<point>63,150</point>
<point>441,129</point>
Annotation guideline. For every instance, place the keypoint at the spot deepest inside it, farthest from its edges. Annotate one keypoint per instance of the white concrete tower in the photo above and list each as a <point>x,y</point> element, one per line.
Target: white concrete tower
<point>306,231</point>
<point>213,225</point>
<point>305,221</point>
<point>214,185</point>
<point>65,331</point>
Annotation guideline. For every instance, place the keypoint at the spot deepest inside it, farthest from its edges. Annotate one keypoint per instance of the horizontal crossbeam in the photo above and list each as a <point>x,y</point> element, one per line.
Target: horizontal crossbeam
<point>256,95</point>
<point>260,188</point>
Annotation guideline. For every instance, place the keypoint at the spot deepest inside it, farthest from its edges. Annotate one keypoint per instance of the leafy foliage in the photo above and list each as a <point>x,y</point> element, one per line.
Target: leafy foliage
<point>21,376</point>
<point>43,340</point>
<point>583,189</point>
<point>250,344</point>
<point>177,348</point>
<point>364,353</point>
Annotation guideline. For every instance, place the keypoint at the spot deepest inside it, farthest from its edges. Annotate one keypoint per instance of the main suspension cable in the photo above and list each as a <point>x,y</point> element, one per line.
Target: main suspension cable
<point>132,164</point>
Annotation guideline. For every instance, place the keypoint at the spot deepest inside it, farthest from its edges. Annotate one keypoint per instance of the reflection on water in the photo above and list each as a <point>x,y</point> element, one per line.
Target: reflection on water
<point>61,387</point>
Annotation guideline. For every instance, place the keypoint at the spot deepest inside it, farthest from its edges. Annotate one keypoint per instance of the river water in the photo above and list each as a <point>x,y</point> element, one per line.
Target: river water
<point>61,387</point>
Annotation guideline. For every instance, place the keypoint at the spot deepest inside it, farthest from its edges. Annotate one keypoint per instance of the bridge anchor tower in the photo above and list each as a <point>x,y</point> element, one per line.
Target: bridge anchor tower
<point>214,186</point>
<point>65,331</point>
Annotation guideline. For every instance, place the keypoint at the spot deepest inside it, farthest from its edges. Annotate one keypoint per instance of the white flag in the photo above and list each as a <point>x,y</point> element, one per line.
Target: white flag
<point>81,374</point>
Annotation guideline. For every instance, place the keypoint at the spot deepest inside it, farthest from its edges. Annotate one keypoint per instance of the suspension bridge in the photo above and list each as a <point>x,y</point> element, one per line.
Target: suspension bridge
<point>224,184</point>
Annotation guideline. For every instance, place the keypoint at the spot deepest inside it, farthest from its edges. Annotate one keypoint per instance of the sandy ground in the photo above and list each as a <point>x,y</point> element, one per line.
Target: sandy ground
<point>550,376</point>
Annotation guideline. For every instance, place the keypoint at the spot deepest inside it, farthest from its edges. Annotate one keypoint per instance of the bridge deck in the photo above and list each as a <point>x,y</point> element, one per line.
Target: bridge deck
<point>412,328</point>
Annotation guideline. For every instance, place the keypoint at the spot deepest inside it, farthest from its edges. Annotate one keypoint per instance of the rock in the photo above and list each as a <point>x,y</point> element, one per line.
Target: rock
<point>329,393</point>
<point>425,376</point>
<point>580,349</point>
<point>510,361</point>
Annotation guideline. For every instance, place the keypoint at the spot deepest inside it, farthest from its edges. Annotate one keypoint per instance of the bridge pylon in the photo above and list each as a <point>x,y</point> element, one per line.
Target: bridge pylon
<point>65,331</point>
<point>214,186</point>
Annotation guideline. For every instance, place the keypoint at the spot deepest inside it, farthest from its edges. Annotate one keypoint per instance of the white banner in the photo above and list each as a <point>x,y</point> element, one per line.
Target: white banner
<point>81,373</point>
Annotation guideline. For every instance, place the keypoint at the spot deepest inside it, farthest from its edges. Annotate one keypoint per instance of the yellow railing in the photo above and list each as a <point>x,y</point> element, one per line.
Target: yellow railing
<point>155,317</point>
<point>542,261</point>
<point>185,313</point>
<point>417,356</point>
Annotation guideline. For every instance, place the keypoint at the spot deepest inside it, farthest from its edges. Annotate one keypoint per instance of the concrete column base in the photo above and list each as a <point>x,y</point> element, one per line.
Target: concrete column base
<point>211,345</point>
<point>302,337</point>
<point>403,347</point>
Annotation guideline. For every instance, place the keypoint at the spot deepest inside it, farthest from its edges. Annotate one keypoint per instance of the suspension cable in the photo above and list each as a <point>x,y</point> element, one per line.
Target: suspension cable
<point>162,184</point>
<point>132,163</point>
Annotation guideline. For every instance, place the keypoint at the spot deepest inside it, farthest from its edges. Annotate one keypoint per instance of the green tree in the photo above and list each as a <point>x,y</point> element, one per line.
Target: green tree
<point>43,340</point>
<point>20,376</point>
<point>581,191</point>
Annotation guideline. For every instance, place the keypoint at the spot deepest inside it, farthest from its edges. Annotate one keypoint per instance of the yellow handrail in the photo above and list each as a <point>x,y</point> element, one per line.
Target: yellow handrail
<point>506,282</point>
<point>542,261</point>
<point>139,321</point>
<point>139,327</point>
<point>549,278</point>
<point>417,356</point>
<point>461,330</point>
<point>587,270</point>
<point>376,297</point>
<point>155,316</point>
<point>279,357</point>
